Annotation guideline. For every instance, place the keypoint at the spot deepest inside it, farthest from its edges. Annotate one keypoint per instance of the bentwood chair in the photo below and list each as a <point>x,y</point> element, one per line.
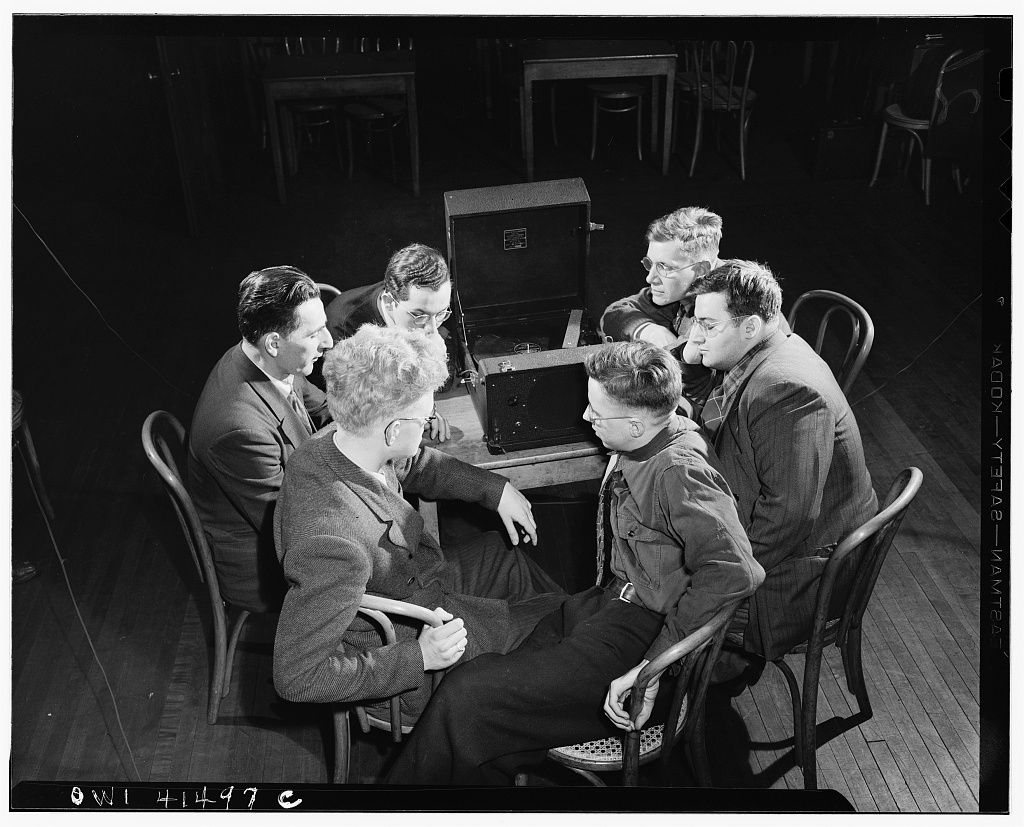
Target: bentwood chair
<point>715,78</point>
<point>952,125</point>
<point>695,658</point>
<point>378,609</point>
<point>22,440</point>
<point>862,330</point>
<point>844,590</point>
<point>327,291</point>
<point>163,437</point>
<point>616,98</point>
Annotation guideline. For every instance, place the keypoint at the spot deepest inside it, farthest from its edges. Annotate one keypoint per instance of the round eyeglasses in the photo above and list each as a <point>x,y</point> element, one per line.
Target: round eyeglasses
<point>421,320</point>
<point>712,329</point>
<point>662,269</point>
<point>594,419</point>
<point>423,420</point>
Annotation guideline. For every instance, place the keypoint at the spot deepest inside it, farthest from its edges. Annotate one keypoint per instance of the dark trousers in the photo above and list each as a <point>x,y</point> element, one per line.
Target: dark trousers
<point>499,713</point>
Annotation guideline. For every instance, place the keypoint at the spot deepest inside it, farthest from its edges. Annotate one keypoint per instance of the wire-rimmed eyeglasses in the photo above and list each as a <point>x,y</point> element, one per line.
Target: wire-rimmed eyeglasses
<point>712,329</point>
<point>421,320</point>
<point>662,269</point>
<point>423,420</point>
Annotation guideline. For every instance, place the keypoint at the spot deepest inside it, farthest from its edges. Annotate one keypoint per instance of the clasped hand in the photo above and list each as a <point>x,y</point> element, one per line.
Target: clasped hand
<point>442,646</point>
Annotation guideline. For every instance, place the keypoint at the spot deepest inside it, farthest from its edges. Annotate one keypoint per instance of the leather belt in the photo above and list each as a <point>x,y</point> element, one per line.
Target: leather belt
<point>626,591</point>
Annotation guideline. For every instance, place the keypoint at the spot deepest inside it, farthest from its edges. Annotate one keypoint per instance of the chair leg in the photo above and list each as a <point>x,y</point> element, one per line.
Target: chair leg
<point>794,696</point>
<point>236,631</point>
<point>696,140</point>
<point>956,179</point>
<point>631,759</point>
<point>220,647</point>
<point>639,124</point>
<point>391,141</point>
<point>926,176</point>
<point>593,130</point>
<point>342,744</point>
<point>696,749</point>
<point>27,449</point>
<point>812,671</point>
<point>744,123</point>
<point>878,157</point>
<point>351,147</point>
<point>554,127</point>
<point>854,667</point>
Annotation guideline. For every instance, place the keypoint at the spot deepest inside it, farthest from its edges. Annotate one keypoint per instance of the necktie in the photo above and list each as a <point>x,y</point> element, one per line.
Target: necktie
<point>300,411</point>
<point>604,518</point>
<point>714,412</point>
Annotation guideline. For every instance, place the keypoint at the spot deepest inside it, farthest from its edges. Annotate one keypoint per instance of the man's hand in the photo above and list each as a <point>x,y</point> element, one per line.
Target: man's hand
<point>658,335</point>
<point>440,429</point>
<point>515,508</point>
<point>442,646</point>
<point>690,353</point>
<point>618,693</point>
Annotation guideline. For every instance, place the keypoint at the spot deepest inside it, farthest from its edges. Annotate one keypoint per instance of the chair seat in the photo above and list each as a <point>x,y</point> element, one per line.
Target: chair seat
<point>721,99</point>
<point>392,107</point>
<point>687,81</point>
<point>606,751</point>
<point>615,90</point>
<point>894,115</point>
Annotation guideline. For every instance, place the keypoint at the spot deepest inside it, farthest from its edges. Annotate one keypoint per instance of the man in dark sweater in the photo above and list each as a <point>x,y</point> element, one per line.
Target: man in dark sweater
<point>671,554</point>
<point>416,294</point>
<point>343,529</point>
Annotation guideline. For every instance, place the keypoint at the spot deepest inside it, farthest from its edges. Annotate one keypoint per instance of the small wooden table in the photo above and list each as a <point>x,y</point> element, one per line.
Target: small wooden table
<point>564,59</point>
<point>308,77</point>
<point>530,468</point>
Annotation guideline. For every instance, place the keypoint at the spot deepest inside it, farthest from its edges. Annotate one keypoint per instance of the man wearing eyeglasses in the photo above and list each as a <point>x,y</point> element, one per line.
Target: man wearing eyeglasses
<point>788,443</point>
<point>415,294</point>
<point>680,246</point>
<point>343,529</point>
<point>671,552</point>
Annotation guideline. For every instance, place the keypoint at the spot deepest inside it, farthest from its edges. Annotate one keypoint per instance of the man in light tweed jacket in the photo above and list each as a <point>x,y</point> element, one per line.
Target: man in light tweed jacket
<point>342,528</point>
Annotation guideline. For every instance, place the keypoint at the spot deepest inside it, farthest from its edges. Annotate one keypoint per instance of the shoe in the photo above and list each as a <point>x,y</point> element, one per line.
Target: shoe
<point>22,570</point>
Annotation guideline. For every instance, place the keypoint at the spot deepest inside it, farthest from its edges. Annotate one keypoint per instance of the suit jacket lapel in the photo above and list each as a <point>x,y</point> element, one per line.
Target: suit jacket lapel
<point>287,420</point>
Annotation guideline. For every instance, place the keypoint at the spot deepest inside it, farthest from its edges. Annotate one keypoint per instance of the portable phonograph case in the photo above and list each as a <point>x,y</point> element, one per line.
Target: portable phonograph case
<point>518,260</point>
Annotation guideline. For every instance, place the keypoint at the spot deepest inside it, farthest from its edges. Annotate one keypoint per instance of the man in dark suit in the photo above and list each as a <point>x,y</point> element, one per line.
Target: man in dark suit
<point>255,410</point>
<point>788,442</point>
<point>343,529</point>
<point>415,294</point>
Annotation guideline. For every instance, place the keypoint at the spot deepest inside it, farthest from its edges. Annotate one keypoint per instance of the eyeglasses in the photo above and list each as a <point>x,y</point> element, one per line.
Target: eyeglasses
<point>423,420</point>
<point>594,419</point>
<point>712,329</point>
<point>421,320</point>
<point>662,269</point>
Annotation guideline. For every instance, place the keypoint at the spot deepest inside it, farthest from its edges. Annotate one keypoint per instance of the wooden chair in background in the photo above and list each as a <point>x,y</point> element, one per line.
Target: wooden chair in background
<point>862,331</point>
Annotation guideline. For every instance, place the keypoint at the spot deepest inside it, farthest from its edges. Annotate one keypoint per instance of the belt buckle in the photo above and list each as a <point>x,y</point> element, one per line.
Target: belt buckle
<point>622,593</point>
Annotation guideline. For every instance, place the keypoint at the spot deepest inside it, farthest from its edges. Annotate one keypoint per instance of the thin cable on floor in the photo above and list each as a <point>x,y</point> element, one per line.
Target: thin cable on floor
<point>81,620</point>
<point>98,313</point>
<point>919,355</point>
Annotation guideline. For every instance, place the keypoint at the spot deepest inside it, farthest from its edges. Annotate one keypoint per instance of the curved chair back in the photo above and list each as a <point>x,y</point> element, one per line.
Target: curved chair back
<point>956,105</point>
<point>163,436</point>
<point>695,655</point>
<point>843,593</point>
<point>328,290</point>
<point>862,331</point>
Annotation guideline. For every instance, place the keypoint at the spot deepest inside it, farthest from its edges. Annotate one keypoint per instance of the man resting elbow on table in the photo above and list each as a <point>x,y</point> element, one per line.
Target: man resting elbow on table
<point>343,528</point>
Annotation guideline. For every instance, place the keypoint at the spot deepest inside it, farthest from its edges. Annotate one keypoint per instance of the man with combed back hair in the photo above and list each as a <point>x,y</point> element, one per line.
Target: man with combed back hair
<point>254,411</point>
<point>415,294</point>
<point>789,446</point>
<point>343,529</point>
<point>671,554</point>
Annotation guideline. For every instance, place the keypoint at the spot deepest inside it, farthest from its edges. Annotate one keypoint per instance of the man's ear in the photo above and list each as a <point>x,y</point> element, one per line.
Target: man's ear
<point>391,432</point>
<point>272,343</point>
<point>701,268</point>
<point>752,325</point>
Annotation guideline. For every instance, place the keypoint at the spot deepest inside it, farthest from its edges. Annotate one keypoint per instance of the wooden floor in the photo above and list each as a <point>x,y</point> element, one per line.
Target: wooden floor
<point>171,299</point>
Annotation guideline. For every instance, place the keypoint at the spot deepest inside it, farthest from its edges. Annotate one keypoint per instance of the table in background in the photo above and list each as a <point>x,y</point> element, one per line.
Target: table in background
<point>530,468</point>
<point>309,77</point>
<point>566,59</point>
